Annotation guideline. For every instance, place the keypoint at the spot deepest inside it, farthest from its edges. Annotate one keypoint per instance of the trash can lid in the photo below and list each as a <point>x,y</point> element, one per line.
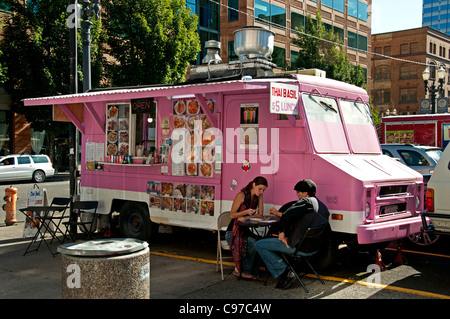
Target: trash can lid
<point>103,247</point>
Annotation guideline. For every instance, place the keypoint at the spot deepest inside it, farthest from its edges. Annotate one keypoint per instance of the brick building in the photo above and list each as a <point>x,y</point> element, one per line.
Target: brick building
<point>398,84</point>
<point>351,19</point>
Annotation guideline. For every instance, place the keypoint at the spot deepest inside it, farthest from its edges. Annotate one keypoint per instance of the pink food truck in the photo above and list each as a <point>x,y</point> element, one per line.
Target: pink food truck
<point>179,154</point>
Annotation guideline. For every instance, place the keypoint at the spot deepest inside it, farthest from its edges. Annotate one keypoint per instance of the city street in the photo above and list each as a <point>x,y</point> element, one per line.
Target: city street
<point>183,266</point>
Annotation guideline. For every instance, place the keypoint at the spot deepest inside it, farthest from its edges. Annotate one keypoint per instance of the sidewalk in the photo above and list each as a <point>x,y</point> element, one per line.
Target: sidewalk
<point>36,275</point>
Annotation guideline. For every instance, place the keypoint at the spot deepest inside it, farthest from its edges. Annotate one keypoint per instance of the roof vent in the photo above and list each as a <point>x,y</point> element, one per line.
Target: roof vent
<point>253,42</point>
<point>212,52</point>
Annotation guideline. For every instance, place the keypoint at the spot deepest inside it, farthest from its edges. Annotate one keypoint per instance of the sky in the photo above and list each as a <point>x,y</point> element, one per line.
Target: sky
<point>395,15</point>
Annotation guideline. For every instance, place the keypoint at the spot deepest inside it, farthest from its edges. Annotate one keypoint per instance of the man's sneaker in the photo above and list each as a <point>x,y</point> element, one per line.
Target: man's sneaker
<point>286,279</point>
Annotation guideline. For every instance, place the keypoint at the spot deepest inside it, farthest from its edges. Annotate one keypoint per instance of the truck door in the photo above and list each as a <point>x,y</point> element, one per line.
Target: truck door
<point>247,150</point>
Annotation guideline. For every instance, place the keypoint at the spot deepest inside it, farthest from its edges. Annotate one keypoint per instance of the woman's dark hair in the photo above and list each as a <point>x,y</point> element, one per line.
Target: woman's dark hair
<point>258,181</point>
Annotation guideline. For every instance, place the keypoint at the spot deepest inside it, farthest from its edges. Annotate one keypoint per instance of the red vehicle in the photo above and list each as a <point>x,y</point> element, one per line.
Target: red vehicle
<point>429,129</point>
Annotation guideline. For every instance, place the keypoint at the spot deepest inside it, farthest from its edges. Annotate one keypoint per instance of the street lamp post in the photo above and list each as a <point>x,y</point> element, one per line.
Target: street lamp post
<point>88,10</point>
<point>432,89</point>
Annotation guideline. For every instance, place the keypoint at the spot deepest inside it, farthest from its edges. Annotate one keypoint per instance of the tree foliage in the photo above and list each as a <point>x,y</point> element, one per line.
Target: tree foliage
<point>321,48</point>
<point>36,55</point>
<point>151,41</point>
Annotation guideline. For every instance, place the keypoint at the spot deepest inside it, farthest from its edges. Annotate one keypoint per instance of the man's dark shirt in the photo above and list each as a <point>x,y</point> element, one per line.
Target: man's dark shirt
<point>305,213</point>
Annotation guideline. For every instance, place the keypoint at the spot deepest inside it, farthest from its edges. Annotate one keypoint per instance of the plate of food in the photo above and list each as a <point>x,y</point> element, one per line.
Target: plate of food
<point>179,122</point>
<point>206,169</point>
<point>112,137</point>
<point>113,111</point>
<point>191,169</point>
<point>193,107</point>
<point>179,107</point>
<point>112,149</point>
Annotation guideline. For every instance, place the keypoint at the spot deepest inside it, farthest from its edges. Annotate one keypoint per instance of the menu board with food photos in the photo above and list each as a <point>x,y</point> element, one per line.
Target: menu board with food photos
<point>117,129</point>
<point>182,198</point>
<point>199,159</point>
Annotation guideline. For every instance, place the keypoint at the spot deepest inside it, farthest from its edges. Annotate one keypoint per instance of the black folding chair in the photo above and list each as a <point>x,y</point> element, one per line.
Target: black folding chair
<point>76,219</point>
<point>55,216</point>
<point>312,234</point>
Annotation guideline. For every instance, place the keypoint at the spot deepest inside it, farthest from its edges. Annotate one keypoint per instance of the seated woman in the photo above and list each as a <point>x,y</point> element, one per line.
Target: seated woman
<point>248,202</point>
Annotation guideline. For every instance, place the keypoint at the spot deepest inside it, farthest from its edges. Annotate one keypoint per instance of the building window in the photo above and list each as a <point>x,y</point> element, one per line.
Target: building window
<point>357,9</point>
<point>5,146</point>
<point>270,13</point>
<point>408,95</point>
<point>298,21</point>
<point>383,73</point>
<point>279,57</point>
<point>233,13</point>
<point>404,48</point>
<point>408,71</point>
<point>232,56</point>
<point>338,5</point>
<point>414,47</point>
<point>357,41</point>
<point>382,96</point>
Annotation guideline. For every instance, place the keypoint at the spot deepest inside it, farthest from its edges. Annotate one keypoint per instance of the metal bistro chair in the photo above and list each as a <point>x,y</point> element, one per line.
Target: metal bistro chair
<point>58,205</point>
<point>53,219</point>
<point>222,223</point>
<point>79,208</point>
<point>298,256</point>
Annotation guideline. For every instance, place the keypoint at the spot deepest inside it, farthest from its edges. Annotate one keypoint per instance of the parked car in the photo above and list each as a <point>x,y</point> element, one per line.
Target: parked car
<point>437,197</point>
<point>25,167</point>
<point>421,158</point>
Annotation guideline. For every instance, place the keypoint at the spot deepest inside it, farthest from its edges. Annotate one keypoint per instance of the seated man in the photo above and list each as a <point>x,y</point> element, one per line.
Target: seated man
<point>307,212</point>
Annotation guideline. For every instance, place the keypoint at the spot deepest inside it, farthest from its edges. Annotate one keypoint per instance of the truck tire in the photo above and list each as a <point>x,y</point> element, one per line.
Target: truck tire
<point>328,250</point>
<point>134,221</point>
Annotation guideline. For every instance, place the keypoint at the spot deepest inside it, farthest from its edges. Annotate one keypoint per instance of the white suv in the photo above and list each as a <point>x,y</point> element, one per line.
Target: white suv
<point>438,199</point>
<point>25,167</point>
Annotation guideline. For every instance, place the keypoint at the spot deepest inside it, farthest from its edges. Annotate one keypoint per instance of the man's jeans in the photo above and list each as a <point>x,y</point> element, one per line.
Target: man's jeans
<point>249,266</point>
<point>267,249</point>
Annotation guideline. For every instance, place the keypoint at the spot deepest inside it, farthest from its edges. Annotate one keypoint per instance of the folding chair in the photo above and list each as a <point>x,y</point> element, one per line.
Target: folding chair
<point>222,222</point>
<point>312,234</point>
<point>76,220</point>
<point>58,205</point>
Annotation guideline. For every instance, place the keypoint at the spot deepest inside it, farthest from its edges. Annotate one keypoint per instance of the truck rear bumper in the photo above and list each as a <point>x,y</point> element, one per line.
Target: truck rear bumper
<point>440,223</point>
<point>388,231</point>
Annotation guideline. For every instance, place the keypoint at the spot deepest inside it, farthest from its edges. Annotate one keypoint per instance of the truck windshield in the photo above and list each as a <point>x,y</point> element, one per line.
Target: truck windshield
<point>325,124</point>
<point>361,132</point>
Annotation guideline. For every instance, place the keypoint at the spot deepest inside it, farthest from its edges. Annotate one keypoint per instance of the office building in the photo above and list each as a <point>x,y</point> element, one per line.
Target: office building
<point>436,14</point>
<point>397,86</point>
<point>351,19</point>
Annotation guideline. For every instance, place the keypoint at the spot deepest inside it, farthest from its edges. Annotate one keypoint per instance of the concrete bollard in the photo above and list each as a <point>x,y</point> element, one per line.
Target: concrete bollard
<point>106,269</point>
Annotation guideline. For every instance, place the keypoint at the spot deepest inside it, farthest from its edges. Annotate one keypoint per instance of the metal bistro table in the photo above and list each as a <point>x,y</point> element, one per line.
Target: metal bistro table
<point>43,219</point>
<point>260,226</point>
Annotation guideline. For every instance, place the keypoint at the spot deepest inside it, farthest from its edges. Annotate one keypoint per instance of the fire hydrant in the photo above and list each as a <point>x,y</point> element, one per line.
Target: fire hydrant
<point>10,205</point>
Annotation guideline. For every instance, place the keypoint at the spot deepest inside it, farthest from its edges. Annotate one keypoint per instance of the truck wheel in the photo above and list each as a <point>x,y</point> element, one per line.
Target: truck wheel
<point>328,250</point>
<point>135,221</point>
<point>424,239</point>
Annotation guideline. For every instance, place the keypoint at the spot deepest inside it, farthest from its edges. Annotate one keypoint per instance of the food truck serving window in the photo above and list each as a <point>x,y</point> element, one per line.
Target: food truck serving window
<point>129,132</point>
<point>325,124</point>
<point>358,122</point>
